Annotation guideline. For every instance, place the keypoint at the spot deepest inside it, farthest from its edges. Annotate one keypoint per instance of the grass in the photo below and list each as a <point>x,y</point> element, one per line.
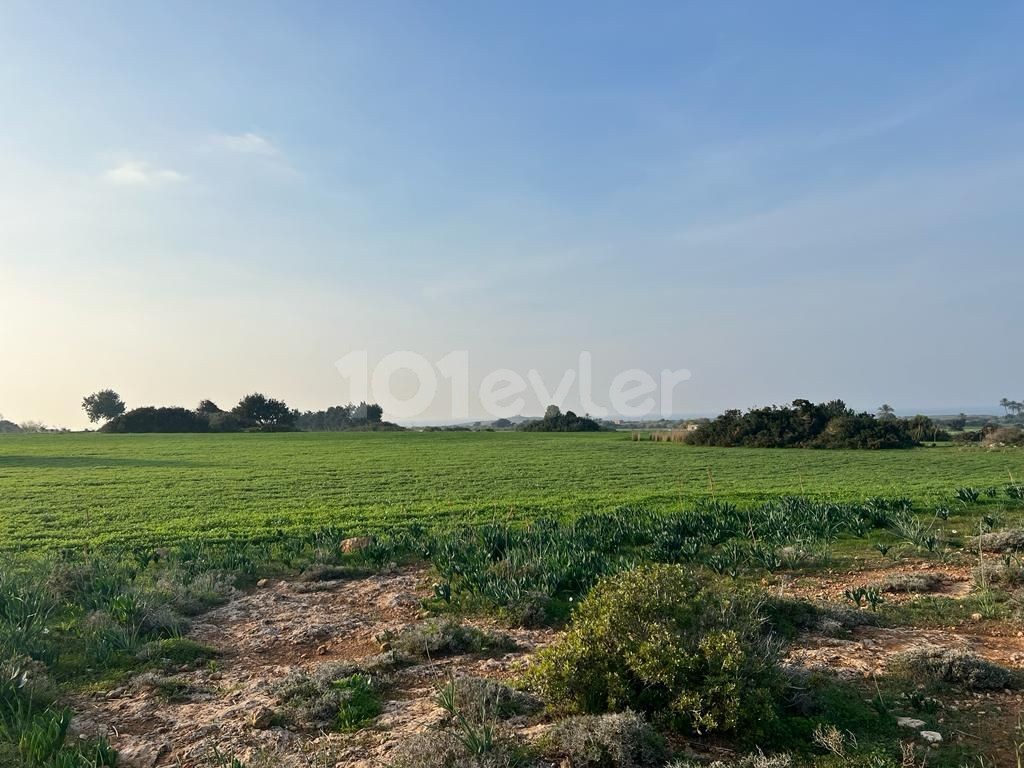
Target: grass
<point>85,489</point>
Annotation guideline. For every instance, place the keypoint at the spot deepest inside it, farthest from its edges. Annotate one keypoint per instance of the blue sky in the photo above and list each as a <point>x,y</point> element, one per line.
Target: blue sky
<point>787,199</point>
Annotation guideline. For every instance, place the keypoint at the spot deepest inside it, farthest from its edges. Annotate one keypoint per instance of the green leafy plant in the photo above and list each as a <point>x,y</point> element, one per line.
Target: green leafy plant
<point>661,640</point>
<point>359,702</point>
<point>475,735</point>
<point>967,494</point>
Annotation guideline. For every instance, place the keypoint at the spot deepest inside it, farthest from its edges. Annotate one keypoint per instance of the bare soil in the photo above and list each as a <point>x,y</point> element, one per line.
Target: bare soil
<point>264,635</point>
<point>280,627</point>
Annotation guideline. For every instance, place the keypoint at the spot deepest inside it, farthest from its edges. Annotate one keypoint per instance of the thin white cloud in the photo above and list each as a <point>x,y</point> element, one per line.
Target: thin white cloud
<point>246,144</point>
<point>135,173</point>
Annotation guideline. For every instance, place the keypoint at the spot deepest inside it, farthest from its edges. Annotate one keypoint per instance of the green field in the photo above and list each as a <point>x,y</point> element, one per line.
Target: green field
<point>66,490</point>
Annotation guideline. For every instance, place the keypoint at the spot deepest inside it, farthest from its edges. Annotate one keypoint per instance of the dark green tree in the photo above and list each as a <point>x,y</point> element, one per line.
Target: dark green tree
<point>258,410</point>
<point>103,405</point>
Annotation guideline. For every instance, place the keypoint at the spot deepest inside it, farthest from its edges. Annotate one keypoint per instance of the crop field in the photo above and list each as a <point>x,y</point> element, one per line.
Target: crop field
<point>71,490</point>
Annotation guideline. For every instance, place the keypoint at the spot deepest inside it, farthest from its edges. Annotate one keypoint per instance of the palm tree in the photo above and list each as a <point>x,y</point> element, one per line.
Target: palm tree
<point>1005,405</point>
<point>886,411</point>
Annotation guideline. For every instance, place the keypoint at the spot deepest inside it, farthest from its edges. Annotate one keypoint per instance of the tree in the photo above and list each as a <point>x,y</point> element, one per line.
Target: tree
<point>208,406</point>
<point>264,412</point>
<point>1005,405</point>
<point>370,413</point>
<point>502,424</point>
<point>103,405</point>
<point>552,412</point>
<point>886,411</point>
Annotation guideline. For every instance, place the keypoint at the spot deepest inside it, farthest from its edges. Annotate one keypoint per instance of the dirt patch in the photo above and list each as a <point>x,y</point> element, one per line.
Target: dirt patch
<point>989,723</point>
<point>262,637</point>
<point>944,579</point>
<point>869,650</point>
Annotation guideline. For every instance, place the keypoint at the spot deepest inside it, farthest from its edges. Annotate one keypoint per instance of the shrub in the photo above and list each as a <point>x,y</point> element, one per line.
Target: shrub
<point>556,421</point>
<point>910,582</point>
<point>810,425</point>
<point>336,695</point>
<point>481,699</point>
<point>150,419</point>
<point>1005,574</point>
<point>958,667</point>
<point>999,541</point>
<point>623,740</point>
<point>445,636</point>
<point>659,640</point>
<point>176,651</point>
<point>1004,436</point>
<point>756,760</point>
<point>444,749</point>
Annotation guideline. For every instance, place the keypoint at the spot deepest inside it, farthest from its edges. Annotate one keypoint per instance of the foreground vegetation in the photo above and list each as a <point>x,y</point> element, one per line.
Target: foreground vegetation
<point>79,490</point>
<point>704,659</point>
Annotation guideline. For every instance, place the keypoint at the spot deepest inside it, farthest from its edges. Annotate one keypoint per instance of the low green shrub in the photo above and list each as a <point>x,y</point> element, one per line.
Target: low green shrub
<point>958,667</point>
<point>176,651</point>
<point>755,760</point>
<point>661,640</point>
<point>440,637</point>
<point>1008,540</point>
<point>909,582</point>
<point>342,696</point>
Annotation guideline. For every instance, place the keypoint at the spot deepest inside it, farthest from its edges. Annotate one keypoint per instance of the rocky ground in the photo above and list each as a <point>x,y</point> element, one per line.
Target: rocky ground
<point>226,708</point>
<point>262,637</point>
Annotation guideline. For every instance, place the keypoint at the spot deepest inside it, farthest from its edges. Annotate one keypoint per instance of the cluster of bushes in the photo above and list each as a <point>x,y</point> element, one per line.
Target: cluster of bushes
<point>344,418</point>
<point>556,421</point>
<point>992,436</point>
<point>254,413</point>
<point>814,425</point>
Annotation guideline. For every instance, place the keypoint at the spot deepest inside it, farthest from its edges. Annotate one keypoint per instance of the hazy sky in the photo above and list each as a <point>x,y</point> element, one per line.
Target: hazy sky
<point>787,199</point>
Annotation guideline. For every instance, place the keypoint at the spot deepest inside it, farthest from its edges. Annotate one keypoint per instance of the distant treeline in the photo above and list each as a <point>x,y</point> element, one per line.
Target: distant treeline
<point>816,425</point>
<point>254,413</point>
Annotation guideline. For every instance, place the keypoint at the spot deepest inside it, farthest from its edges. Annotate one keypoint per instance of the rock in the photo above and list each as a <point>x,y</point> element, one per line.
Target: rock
<point>142,754</point>
<point>932,737</point>
<point>910,722</point>
<point>321,650</point>
<point>261,718</point>
<point>975,617</point>
<point>356,544</point>
<point>263,583</point>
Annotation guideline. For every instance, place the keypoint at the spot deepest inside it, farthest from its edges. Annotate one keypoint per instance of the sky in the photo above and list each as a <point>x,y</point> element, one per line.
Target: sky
<point>794,199</point>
